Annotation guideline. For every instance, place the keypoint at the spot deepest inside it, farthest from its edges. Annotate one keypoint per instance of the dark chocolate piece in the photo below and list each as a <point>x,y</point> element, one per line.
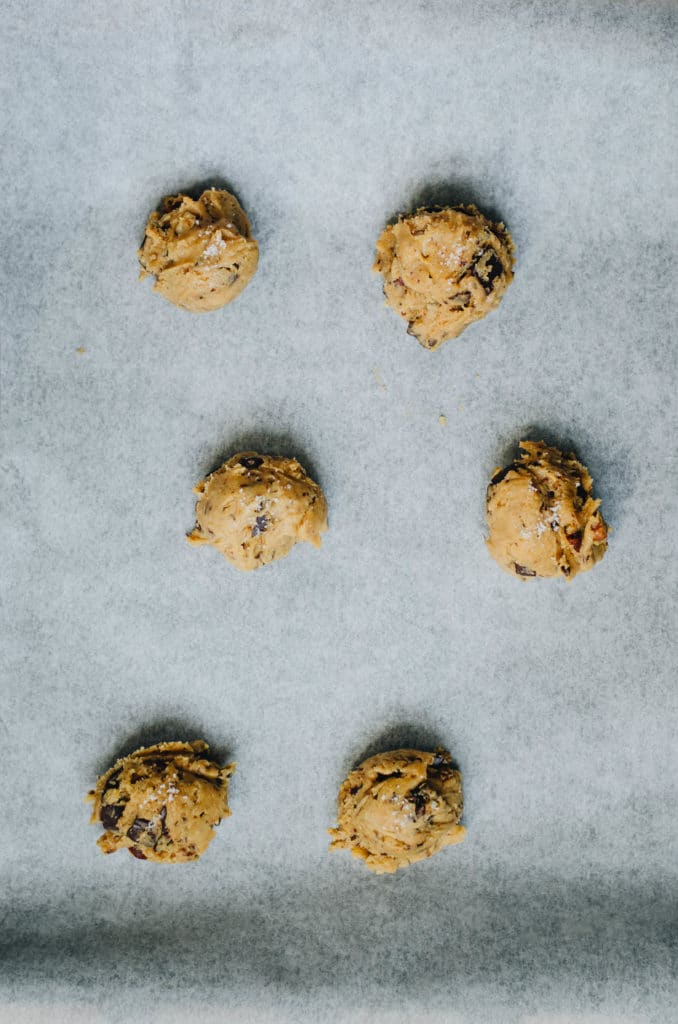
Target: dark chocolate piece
<point>487,268</point>
<point>141,828</point>
<point>420,800</point>
<point>110,815</point>
<point>501,473</point>
<point>522,571</point>
<point>260,526</point>
<point>251,462</point>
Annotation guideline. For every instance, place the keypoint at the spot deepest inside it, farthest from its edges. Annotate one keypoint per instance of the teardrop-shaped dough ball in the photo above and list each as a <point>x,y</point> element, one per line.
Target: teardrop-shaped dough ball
<point>542,518</point>
<point>443,270</point>
<point>161,803</point>
<point>200,251</point>
<point>255,508</point>
<point>399,807</point>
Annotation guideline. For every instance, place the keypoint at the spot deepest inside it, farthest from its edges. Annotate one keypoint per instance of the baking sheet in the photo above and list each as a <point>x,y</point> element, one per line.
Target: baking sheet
<point>559,702</point>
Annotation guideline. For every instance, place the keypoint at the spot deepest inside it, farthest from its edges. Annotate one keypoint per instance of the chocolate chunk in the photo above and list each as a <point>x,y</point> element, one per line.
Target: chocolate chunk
<point>110,815</point>
<point>501,473</point>
<point>141,828</point>
<point>112,781</point>
<point>420,801</point>
<point>486,268</point>
<point>163,821</point>
<point>260,526</point>
<point>459,301</point>
<point>522,571</point>
<point>251,462</point>
<point>440,757</point>
<point>137,853</point>
<point>582,493</point>
<point>574,539</point>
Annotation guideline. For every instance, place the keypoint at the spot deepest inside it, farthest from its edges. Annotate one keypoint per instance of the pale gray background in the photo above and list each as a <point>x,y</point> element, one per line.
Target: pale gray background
<point>558,701</point>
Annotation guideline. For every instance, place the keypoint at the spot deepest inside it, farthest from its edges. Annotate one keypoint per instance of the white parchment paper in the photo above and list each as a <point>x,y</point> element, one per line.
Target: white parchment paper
<point>559,702</point>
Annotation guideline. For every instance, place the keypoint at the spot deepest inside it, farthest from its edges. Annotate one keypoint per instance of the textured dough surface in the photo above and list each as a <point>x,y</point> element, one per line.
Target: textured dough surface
<point>443,270</point>
<point>255,508</point>
<point>161,803</point>
<point>541,516</point>
<point>200,250</point>
<point>399,807</point>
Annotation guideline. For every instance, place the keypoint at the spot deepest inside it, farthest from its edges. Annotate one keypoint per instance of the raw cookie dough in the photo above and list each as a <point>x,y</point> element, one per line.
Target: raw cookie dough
<point>399,807</point>
<point>443,270</point>
<point>255,508</point>
<point>541,516</point>
<point>161,803</point>
<point>200,250</point>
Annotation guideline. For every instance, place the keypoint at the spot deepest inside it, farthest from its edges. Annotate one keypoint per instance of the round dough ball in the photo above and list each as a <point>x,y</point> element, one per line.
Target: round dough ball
<point>443,270</point>
<point>200,250</point>
<point>399,807</point>
<point>255,508</point>
<point>161,803</point>
<point>541,516</point>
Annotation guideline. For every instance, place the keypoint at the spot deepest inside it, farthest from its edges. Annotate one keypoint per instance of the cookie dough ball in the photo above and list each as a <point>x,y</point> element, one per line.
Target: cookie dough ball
<point>161,803</point>
<point>443,270</point>
<point>255,508</point>
<point>541,516</point>
<point>200,250</point>
<point>398,808</point>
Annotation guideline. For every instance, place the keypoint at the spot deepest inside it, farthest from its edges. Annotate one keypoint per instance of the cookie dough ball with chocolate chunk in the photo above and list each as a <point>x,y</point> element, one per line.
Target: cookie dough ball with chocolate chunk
<point>255,508</point>
<point>399,807</point>
<point>200,251</point>
<point>161,803</point>
<point>542,518</point>
<point>443,270</point>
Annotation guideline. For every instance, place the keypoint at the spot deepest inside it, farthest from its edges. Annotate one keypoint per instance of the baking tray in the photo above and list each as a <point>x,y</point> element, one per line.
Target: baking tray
<point>558,701</point>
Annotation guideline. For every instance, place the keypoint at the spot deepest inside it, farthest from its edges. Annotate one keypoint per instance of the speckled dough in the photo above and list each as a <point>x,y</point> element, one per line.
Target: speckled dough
<point>200,250</point>
<point>541,516</point>
<point>255,508</point>
<point>161,803</point>
<point>443,270</point>
<point>399,807</point>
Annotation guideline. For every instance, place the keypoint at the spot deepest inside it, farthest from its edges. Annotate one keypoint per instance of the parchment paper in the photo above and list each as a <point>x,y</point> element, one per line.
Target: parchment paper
<point>558,702</point>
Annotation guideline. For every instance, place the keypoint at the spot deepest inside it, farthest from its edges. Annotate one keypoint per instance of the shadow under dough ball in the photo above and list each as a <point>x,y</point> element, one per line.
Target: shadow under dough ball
<point>443,270</point>
<point>399,807</point>
<point>255,508</point>
<point>200,250</point>
<point>161,803</point>
<point>541,516</point>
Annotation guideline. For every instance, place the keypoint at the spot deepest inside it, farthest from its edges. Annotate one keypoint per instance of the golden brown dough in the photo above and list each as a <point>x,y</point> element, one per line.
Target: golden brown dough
<point>161,803</point>
<point>200,250</point>
<point>444,270</point>
<point>541,516</point>
<point>399,807</point>
<point>255,508</point>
